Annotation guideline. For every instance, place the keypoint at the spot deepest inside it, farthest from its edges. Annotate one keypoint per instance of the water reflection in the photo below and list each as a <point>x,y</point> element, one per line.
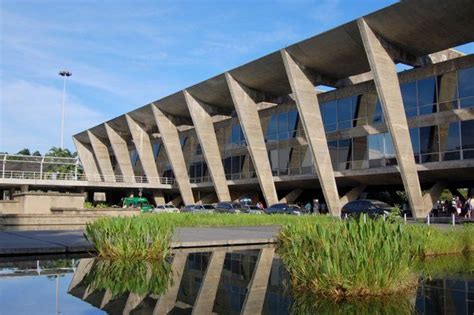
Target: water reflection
<point>224,281</point>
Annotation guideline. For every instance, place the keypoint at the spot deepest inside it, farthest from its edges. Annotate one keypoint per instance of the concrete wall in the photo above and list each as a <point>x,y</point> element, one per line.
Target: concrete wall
<point>41,203</point>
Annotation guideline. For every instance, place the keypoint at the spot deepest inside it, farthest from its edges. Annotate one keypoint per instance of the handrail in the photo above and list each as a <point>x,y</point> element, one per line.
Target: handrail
<point>56,176</point>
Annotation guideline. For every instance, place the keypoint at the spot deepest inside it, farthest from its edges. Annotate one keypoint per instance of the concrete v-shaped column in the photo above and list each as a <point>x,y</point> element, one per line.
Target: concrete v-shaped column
<point>352,194</point>
<point>167,301</point>
<point>102,156</point>
<point>310,115</point>
<point>388,89</point>
<point>169,135</point>
<point>142,142</point>
<point>120,148</point>
<point>251,126</point>
<point>87,159</point>
<point>206,134</point>
<point>253,303</point>
<point>210,283</point>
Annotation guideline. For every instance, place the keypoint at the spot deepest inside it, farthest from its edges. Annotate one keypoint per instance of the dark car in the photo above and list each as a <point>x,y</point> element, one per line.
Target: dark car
<point>283,208</point>
<point>198,208</point>
<point>229,207</point>
<point>372,208</point>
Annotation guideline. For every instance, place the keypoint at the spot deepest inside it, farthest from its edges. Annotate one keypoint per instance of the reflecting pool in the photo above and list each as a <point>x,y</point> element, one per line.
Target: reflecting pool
<point>238,280</point>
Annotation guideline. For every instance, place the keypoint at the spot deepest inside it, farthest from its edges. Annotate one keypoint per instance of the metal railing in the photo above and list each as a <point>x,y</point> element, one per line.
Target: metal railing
<point>55,176</point>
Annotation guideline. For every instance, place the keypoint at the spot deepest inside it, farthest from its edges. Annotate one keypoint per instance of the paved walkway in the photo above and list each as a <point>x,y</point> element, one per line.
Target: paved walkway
<point>62,242</point>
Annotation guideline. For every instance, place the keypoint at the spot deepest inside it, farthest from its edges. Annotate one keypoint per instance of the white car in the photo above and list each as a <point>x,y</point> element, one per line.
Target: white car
<point>165,209</point>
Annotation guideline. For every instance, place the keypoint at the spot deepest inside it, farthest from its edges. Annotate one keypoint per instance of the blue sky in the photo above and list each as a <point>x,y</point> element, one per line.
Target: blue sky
<point>124,54</point>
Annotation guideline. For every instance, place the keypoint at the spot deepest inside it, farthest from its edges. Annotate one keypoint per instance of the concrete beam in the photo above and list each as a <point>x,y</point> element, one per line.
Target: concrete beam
<point>158,197</point>
<point>176,201</point>
<point>142,142</point>
<point>210,198</point>
<point>170,138</point>
<point>432,196</point>
<point>292,196</point>
<point>352,194</point>
<point>251,126</point>
<point>122,155</point>
<point>102,156</point>
<point>207,293</point>
<point>253,303</point>
<point>310,116</point>
<point>167,301</point>
<point>87,159</point>
<point>206,134</point>
<point>388,89</point>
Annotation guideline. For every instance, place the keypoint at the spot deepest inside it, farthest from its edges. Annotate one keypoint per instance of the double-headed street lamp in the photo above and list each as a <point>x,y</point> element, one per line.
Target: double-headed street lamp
<point>64,74</point>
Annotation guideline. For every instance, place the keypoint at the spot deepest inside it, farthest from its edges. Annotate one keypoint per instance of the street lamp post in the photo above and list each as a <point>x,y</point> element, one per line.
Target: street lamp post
<point>64,74</point>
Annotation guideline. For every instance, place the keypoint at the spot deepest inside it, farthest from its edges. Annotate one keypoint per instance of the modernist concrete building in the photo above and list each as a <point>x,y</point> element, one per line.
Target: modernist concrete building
<point>265,129</point>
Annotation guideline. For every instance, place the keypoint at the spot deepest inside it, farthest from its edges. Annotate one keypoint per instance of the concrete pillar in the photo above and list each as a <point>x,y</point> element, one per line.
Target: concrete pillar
<point>142,142</point>
<point>388,89</point>
<point>250,122</point>
<point>206,134</point>
<point>209,198</point>
<point>167,301</point>
<point>170,137</point>
<point>310,116</point>
<point>132,302</point>
<point>24,188</point>
<point>83,268</point>
<point>207,293</point>
<point>352,195</point>
<point>253,303</point>
<point>176,201</point>
<point>102,157</point>
<point>292,195</point>
<point>122,155</point>
<point>432,196</point>
<point>87,159</point>
<point>158,197</point>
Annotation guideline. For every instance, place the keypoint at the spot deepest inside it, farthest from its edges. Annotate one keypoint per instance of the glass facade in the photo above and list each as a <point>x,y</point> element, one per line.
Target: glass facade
<point>288,152</point>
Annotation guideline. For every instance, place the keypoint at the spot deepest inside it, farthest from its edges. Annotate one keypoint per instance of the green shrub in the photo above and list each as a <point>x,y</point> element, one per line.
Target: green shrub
<point>88,205</point>
<point>347,259</point>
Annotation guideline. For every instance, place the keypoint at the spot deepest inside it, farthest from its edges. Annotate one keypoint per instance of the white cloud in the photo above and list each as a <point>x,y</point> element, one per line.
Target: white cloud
<point>30,116</point>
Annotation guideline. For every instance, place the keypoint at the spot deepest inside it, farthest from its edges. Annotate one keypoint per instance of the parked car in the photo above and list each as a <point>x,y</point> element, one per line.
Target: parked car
<point>252,210</point>
<point>229,207</point>
<point>166,208</point>
<point>284,208</point>
<point>372,208</point>
<point>198,208</point>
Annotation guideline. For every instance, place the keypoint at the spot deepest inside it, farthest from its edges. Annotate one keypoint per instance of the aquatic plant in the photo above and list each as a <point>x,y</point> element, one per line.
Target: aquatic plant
<point>130,238</point>
<point>348,259</point>
<point>140,277</point>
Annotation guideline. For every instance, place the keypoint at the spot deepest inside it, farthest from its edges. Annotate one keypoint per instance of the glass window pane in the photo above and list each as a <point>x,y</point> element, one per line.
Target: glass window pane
<point>415,140</point>
<point>332,145</point>
<point>467,134</point>
<point>283,160</point>
<point>426,91</point>
<point>408,94</point>
<point>378,113</point>
<point>466,82</point>
<point>344,112</point>
<point>376,150</point>
<point>330,115</point>
<point>272,130</point>
<point>345,156</point>
<point>449,137</point>
<point>358,107</point>
<point>429,140</point>
<point>293,122</point>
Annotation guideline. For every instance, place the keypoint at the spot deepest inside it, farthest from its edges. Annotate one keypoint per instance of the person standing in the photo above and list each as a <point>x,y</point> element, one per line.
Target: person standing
<point>315,206</point>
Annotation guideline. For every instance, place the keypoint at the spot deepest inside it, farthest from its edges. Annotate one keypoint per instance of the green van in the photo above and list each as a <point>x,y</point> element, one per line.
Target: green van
<point>137,202</point>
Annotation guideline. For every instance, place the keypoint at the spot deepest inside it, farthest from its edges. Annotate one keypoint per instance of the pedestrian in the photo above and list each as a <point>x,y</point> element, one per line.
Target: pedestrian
<point>316,206</point>
<point>308,207</point>
<point>469,206</point>
<point>323,208</point>
<point>260,205</point>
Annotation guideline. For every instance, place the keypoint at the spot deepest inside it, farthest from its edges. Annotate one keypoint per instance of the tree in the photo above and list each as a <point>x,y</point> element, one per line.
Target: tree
<point>25,151</point>
<point>36,153</point>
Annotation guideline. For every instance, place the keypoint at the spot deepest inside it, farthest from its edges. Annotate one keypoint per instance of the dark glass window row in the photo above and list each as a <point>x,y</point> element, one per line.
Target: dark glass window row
<point>448,91</point>
<point>198,172</point>
<point>282,126</point>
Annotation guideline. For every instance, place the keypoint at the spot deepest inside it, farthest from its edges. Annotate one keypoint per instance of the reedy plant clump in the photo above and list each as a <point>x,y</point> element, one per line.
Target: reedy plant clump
<point>347,259</point>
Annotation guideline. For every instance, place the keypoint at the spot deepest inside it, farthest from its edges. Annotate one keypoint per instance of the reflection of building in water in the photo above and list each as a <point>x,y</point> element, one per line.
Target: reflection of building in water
<point>446,296</point>
<point>250,281</point>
